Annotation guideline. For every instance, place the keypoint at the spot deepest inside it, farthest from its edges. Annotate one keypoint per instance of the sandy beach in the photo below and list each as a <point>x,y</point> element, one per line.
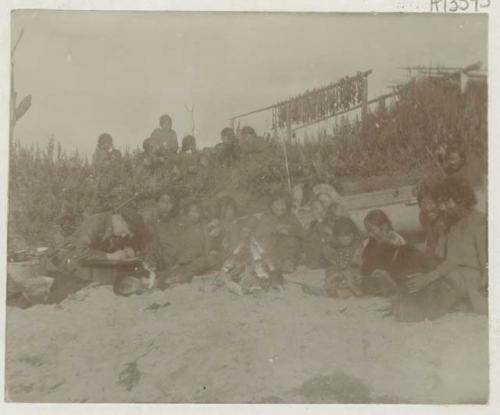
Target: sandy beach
<point>200,343</point>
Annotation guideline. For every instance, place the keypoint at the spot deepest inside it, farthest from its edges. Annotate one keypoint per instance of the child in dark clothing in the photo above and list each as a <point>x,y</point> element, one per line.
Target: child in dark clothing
<point>193,254</point>
<point>228,150</point>
<point>161,144</point>
<point>312,240</point>
<point>342,251</point>
<point>387,260</point>
<point>280,234</point>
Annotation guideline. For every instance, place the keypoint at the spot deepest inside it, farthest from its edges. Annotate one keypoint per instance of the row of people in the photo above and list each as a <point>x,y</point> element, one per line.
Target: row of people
<point>162,144</point>
<point>253,252</point>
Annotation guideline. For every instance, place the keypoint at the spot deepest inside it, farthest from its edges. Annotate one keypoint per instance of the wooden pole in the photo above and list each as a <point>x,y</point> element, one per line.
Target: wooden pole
<point>364,98</point>
<point>289,139</point>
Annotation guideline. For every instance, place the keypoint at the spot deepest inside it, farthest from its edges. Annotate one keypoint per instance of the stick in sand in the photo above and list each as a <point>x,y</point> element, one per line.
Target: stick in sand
<point>286,164</point>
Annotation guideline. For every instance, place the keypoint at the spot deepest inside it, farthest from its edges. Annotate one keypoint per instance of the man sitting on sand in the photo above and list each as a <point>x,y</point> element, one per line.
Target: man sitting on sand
<point>104,245</point>
<point>461,280</point>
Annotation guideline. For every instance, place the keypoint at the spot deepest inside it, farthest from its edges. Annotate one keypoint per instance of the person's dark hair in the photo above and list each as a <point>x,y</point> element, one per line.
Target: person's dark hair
<point>344,225</point>
<point>458,190</point>
<point>377,217</point>
<point>225,203</point>
<point>227,132</point>
<point>164,118</point>
<point>104,139</point>
<point>188,143</point>
<point>248,130</point>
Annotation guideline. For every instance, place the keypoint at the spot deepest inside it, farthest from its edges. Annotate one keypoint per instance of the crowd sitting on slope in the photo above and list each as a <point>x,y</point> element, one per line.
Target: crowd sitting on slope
<point>171,239</point>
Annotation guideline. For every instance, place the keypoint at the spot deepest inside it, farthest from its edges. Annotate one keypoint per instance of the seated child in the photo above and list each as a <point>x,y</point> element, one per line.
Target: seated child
<point>387,260</point>
<point>280,234</point>
<point>194,254</point>
<point>341,250</point>
<point>228,150</point>
<point>314,233</point>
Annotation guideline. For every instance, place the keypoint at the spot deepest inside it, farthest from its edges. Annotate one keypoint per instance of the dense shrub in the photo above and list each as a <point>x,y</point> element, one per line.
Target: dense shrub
<point>50,191</point>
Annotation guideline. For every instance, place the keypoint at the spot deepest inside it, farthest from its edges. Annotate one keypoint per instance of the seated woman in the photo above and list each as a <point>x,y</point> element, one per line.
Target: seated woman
<point>387,259</point>
<point>432,220</point>
<point>227,213</point>
<point>194,252</point>
<point>160,218</point>
<point>101,249</point>
<point>188,157</point>
<point>105,153</point>
<point>461,279</point>
<point>342,252</point>
<point>280,234</point>
<point>378,266</point>
<point>313,236</point>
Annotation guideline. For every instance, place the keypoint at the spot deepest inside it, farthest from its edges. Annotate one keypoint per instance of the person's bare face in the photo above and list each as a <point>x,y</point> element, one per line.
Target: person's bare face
<point>278,207</point>
<point>454,162</point>
<point>318,210</point>
<point>194,214</point>
<point>165,205</point>
<point>204,161</point>
<point>430,208</point>
<point>120,227</point>
<point>378,233</point>
<point>229,213</point>
<point>345,239</point>
<point>166,125</point>
<point>325,199</point>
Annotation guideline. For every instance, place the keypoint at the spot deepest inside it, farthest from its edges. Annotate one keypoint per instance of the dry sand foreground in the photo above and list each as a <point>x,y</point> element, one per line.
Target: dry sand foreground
<point>196,343</point>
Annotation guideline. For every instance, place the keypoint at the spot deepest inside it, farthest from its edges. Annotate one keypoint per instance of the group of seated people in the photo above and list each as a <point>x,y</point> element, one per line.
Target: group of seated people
<point>170,241</point>
<point>162,146</point>
<point>165,162</point>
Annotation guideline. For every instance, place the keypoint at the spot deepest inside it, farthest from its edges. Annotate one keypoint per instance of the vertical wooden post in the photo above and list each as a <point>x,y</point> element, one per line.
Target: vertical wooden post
<point>364,97</point>
<point>231,124</point>
<point>288,123</point>
<point>288,139</point>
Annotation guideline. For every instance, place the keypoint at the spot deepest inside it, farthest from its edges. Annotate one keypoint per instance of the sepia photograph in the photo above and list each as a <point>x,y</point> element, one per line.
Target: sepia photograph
<point>247,208</point>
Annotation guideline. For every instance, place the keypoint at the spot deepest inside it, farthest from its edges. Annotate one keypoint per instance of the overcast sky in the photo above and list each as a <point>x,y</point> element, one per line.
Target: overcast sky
<point>117,72</point>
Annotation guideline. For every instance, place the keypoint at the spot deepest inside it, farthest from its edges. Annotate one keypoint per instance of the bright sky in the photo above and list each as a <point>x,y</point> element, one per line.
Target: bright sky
<point>117,72</point>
